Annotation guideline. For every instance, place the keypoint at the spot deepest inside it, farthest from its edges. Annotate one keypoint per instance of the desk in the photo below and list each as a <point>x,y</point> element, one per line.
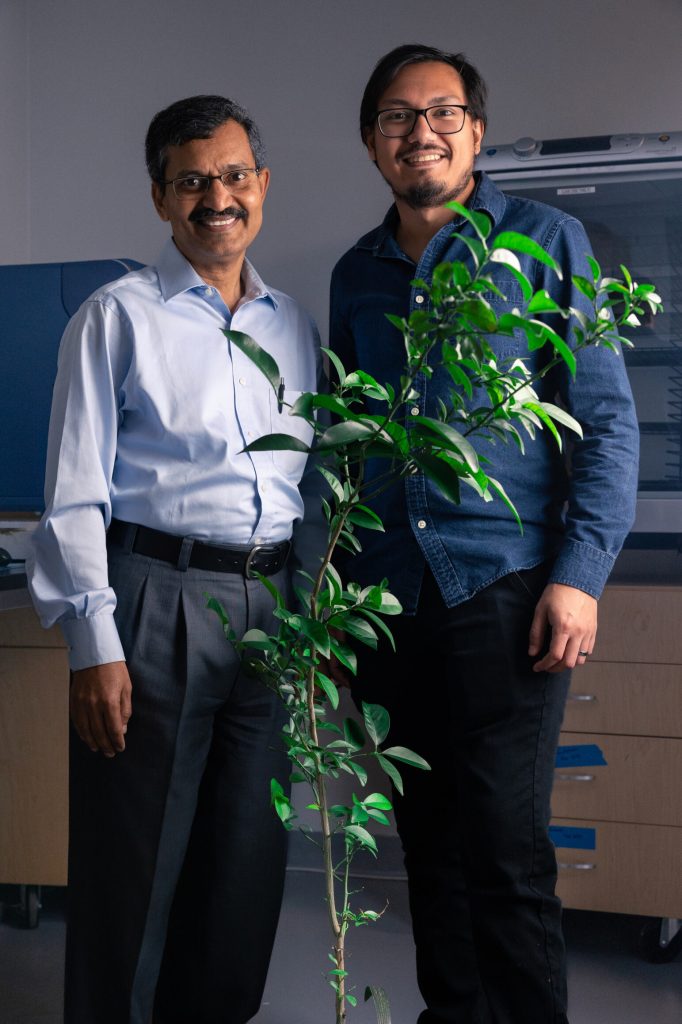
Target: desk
<point>34,682</point>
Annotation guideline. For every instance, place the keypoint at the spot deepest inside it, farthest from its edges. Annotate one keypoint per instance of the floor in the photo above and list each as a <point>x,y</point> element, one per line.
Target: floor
<point>610,983</point>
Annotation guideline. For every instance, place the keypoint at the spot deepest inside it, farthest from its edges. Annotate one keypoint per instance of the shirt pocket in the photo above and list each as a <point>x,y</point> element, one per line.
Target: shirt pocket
<point>289,462</point>
<point>513,346</point>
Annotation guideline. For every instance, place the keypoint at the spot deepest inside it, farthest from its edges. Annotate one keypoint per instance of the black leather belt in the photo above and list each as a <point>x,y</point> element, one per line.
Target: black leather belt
<point>185,552</point>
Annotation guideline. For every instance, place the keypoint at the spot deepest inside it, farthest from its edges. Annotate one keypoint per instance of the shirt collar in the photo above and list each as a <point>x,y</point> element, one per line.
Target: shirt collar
<point>486,196</point>
<point>177,275</point>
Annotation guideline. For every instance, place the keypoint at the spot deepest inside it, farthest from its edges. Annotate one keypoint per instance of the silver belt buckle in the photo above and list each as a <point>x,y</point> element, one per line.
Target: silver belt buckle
<point>249,559</point>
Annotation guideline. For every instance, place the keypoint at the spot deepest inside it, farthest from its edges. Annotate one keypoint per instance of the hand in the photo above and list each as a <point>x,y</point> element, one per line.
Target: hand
<point>100,706</point>
<point>571,615</point>
<point>332,666</point>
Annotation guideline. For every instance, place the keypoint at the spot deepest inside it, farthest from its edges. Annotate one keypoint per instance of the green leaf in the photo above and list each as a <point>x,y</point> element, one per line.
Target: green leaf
<point>407,756</point>
<point>332,480</point>
<point>478,312</point>
<point>545,333</point>
<point>262,359</point>
<point>353,733</point>
<point>277,443</point>
<point>596,269</point>
<point>452,436</point>
<point>361,515</point>
<point>397,321</point>
<point>361,836</point>
<point>318,633</point>
<point>328,688</point>
<point>443,475</point>
<point>377,722</point>
<point>350,998</point>
<point>345,654</point>
<point>499,489</point>
<point>360,629</point>
<point>336,405</point>
<point>561,416</point>
<point>360,772</point>
<point>378,816</point>
<point>369,385</point>
<point>348,432</point>
<point>522,243</point>
<point>390,769</point>
<point>542,302</point>
<point>380,624</point>
<point>336,363</point>
<point>584,286</point>
<point>378,800</point>
<point>480,222</point>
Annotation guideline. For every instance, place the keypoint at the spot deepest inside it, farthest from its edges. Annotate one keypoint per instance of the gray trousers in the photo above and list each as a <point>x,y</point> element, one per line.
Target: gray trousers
<point>176,859</point>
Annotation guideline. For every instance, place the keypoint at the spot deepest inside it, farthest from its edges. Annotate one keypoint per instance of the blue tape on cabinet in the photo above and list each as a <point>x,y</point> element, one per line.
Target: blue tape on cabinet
<point>573,838</point>
<point>580,755</point>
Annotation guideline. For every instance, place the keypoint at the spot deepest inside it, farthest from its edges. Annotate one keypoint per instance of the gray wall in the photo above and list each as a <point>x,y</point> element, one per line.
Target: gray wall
<point>80,79</point>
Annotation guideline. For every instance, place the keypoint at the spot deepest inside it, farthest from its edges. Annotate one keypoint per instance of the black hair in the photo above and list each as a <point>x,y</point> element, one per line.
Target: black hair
<point>414,53</point>
<point>196,117</point>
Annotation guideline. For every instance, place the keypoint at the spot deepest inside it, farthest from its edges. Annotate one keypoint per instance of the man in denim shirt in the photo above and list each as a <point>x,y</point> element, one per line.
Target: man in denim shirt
<point>504,617</point>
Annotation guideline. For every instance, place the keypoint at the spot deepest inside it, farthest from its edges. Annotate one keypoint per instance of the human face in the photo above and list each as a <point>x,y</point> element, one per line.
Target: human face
<point>424,169</point>
<point>214,230</point>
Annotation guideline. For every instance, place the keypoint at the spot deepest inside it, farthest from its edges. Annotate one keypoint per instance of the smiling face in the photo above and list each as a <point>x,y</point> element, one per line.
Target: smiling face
<point>214,230</point>
<point>425,169</point>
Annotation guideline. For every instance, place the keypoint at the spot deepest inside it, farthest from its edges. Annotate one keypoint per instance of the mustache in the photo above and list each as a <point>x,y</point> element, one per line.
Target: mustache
<point>418,147</point>
<point>206,213</point>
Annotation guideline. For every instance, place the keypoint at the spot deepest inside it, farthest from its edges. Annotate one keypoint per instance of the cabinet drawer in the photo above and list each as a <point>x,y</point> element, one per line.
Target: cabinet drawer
<point>34,717</point>
<point>640,783</point>
<point>638,700</point>
<point>20,627</point>
<point>635,869</point>
<point>640,624</point>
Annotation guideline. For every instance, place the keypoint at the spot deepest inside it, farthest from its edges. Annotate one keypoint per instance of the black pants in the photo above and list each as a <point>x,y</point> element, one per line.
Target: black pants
<point>481,868</point>
<point>176,859</point>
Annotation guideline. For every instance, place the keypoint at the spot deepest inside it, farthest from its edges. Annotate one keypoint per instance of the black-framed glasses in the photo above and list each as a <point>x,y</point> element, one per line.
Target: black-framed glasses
<point>189,186</point>
<point>443,119</point>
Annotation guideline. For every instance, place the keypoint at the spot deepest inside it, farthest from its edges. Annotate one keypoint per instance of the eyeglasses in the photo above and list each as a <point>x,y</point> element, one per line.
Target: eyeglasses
<point>396,122</point>
<point>192,185</point>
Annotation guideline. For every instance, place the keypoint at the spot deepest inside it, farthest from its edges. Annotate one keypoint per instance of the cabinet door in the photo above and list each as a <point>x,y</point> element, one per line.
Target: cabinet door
<point>639,783</point>
<point>640,624</point>
<point>634,869</point>
<point>636,699</point>
<point>34,757</point>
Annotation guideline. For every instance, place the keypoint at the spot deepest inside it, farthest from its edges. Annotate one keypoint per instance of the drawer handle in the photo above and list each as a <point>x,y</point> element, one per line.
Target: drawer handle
<point>579,866</point>
<point>569,777</point>
<point>582,698</point>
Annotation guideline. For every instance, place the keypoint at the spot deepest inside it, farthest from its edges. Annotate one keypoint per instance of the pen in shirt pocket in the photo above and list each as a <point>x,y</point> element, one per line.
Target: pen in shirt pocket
<point>280,395</point>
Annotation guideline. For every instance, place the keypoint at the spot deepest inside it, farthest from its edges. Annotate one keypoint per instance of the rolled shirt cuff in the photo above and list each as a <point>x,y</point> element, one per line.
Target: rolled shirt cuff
<point>582,566</point>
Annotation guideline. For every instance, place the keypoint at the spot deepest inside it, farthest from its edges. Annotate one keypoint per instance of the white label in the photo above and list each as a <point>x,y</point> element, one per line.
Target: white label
<point>581,190</point>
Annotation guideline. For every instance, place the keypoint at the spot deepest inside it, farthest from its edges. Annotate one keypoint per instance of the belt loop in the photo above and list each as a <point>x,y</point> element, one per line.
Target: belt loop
<point>125,535</point>
<point>185,554</point>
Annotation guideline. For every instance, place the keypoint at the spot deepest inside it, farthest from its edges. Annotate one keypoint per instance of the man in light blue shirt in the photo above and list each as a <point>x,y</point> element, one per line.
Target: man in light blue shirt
<point>176,860</point>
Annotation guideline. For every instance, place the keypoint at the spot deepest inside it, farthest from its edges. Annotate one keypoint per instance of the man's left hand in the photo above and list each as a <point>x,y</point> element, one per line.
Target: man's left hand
<point>571,615</point>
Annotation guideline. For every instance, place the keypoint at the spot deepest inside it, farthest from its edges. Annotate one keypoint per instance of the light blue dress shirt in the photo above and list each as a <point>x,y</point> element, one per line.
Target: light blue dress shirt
<point>152,409</point>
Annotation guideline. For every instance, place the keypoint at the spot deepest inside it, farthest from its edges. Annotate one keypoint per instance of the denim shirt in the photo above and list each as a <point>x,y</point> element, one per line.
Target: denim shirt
<point>575,518</point>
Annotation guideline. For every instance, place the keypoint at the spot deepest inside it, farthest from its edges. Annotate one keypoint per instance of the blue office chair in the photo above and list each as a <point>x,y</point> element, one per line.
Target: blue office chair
<point>36,301</point>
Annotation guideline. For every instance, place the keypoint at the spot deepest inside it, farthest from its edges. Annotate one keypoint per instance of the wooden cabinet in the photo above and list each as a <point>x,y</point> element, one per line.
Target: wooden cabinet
<point>34,681</point>
<point>617,799</point>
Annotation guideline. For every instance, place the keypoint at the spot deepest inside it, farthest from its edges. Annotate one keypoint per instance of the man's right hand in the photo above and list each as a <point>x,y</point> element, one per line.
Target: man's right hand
<point>100,706</point>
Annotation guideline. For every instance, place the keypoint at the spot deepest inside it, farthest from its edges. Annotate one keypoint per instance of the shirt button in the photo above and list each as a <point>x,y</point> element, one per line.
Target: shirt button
<point>419,299</point>
<point>421,523</point>
<point>242,381</point>
<point>414,411</point>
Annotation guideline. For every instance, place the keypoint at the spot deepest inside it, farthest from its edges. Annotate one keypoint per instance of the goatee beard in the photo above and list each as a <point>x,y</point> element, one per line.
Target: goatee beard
<point>428,194</point>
